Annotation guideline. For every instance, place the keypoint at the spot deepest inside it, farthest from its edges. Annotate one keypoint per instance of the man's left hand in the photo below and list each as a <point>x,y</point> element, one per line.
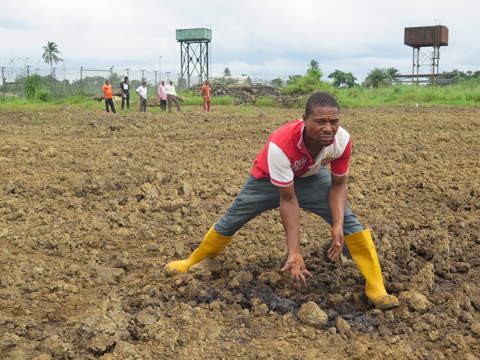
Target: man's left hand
<point>337,242</point>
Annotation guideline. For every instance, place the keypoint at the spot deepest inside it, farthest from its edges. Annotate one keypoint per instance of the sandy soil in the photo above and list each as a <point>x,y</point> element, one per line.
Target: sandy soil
<point>93,205</point>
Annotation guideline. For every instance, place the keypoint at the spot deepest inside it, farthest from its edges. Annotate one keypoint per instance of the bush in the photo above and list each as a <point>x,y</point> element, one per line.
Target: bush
<point>32,85</point>
<point>311,81</point>
<point>44,95</point>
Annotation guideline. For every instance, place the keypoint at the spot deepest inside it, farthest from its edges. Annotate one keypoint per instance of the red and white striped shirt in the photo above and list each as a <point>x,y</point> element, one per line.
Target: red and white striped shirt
<point>285,155</point>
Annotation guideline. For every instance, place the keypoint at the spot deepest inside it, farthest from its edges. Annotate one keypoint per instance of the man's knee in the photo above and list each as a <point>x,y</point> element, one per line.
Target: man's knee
<point>224,228</point>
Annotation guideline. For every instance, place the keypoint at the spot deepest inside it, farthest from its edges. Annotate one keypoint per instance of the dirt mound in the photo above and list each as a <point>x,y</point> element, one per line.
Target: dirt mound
<point>93,205</point>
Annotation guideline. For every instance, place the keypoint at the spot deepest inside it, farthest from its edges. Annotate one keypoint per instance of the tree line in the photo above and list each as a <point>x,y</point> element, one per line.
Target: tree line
<point>378,77</point>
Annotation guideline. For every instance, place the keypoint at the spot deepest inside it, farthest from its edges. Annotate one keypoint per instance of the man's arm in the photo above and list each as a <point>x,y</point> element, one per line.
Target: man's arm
<point>290,214</point>
<point>337,201</point>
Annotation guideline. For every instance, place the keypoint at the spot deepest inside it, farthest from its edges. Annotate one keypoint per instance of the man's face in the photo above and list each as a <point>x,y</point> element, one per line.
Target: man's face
<point>321,125</point>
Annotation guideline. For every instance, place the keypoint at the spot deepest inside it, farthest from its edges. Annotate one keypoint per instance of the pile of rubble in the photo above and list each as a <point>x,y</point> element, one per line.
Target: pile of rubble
<point>249,94</point>
<point>287,100</point>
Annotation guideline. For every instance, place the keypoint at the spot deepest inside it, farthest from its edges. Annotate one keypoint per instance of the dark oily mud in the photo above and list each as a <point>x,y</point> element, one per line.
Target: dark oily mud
<point>92,206</point>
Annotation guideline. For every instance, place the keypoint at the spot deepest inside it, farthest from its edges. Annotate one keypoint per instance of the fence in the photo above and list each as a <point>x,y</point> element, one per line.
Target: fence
<point>85,80</point>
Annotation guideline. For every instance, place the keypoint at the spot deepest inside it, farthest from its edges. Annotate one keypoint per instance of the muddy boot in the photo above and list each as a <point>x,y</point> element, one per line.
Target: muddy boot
<point>362,250</point>
<point>212,244</point>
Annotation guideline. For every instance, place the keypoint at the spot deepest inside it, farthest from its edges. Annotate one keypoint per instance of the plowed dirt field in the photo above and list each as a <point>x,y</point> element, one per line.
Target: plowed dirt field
<point>93,205</point>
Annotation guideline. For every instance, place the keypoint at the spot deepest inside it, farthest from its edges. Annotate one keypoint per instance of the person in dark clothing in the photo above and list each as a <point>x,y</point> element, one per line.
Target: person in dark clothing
<point>125,88</point>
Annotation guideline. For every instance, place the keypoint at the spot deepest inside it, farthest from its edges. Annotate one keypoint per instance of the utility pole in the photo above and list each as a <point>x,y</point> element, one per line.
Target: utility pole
<point>156,83</point>
<point>143,74</point>
<point>64,83</point>
<point>3,75</point>
<point>160,67</point>
<point>128,73</point>
<point>3,83</point>
<point>28,71</point>
<point>81,80</point>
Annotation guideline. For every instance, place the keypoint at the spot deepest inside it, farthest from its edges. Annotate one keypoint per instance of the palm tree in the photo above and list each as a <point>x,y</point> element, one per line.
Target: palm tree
<point>314,64</point>
<point>50,55</point>
<point>377,77</point>
<point>392,72</point>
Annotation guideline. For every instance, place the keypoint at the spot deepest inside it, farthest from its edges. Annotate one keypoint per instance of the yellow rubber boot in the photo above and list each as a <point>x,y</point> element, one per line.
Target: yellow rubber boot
<point>363,252</point>
<point>212,244</point>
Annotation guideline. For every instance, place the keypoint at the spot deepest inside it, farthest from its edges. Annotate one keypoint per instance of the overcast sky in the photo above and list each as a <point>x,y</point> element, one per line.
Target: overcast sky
<point>262,38</point>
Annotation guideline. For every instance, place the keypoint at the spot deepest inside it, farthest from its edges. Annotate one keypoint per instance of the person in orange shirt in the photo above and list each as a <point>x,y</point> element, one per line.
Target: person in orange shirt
<point>108,96</point>
<point>206,96</point>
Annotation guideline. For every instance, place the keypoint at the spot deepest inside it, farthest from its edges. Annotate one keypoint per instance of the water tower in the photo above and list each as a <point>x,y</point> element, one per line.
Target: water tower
<point>194,54</point>
<point>425,37</point>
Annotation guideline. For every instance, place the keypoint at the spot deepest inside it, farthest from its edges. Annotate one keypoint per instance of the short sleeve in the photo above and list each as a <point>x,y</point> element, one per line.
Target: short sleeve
<point>279,167</point>
<point>340,165</point>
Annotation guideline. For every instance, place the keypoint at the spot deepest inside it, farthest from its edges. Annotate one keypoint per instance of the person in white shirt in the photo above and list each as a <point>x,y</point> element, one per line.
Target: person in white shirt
<point>171,96</point>
<point>142,93</point>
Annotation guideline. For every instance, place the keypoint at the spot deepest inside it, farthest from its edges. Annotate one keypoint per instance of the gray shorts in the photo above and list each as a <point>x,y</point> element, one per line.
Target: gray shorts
<point>259,195</point>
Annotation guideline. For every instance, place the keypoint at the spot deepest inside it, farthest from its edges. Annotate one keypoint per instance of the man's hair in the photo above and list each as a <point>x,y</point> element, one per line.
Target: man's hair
<point>320,98</point>
<point>125,78</point>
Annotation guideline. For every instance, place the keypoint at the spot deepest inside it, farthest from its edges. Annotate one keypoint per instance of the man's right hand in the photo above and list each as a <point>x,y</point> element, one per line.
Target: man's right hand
<point>297,268</point>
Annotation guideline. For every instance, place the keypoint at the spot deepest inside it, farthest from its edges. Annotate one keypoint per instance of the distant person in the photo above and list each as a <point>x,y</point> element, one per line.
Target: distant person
<point>108,96</point>
<point>171,96</point>
<point>163,96</point>
<point>206,96</point>
<point>125,89</point>
<point>142,93</point>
